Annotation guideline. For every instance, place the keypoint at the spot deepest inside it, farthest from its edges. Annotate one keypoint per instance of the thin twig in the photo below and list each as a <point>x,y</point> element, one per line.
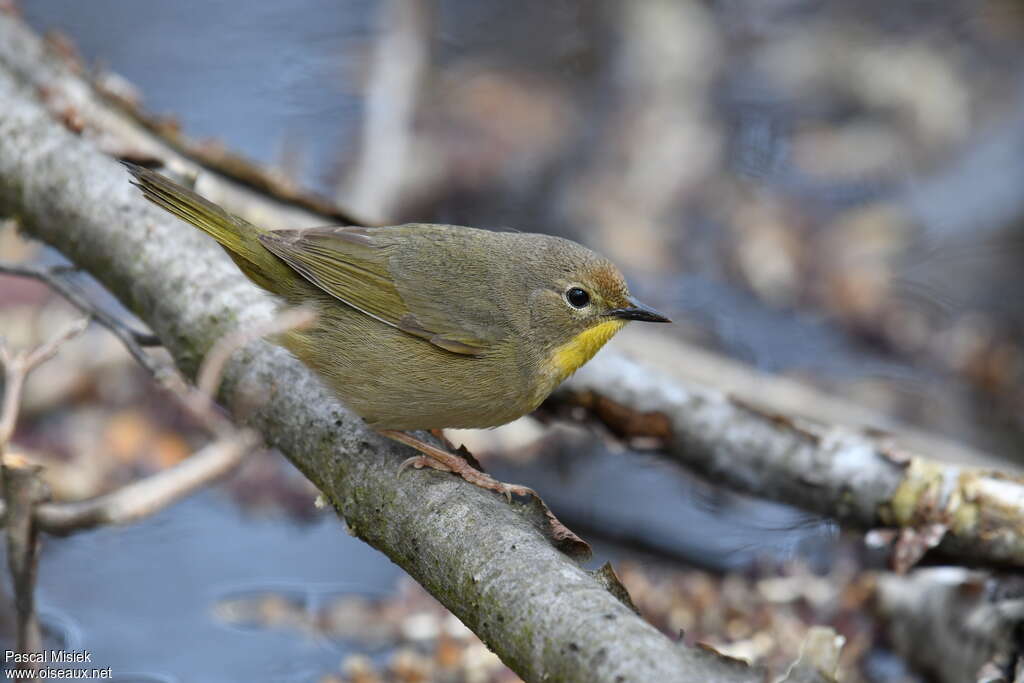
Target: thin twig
<point>212,368</point>
<point>198,401</point>
<point>14,378</point>
<point>17,366</point>
<point>48,349</point>
<point>150,495</point>
<point>53,276</point>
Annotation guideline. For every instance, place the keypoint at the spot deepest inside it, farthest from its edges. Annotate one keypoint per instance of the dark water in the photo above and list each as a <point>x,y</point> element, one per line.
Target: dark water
<point>141,598</point>
<point>626,502</point>
<point>244,73</point>
<point>261,75</point>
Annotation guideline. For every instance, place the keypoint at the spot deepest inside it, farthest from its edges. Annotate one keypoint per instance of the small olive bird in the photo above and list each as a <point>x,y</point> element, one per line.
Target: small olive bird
<point>427,326</point>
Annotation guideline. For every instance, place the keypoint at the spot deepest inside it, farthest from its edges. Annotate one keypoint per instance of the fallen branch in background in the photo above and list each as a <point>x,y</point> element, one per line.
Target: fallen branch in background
<point>970,622</point>
<point>486,560</point>
<point>691,365</point>
<point>147,496</point>
<point>972,514</point>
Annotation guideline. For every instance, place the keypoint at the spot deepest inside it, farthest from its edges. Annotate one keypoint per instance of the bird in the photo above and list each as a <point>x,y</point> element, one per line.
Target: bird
<point>426,326</point>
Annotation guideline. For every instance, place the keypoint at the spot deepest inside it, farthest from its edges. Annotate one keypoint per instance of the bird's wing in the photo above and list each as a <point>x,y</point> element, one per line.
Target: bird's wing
<point>353,265</point>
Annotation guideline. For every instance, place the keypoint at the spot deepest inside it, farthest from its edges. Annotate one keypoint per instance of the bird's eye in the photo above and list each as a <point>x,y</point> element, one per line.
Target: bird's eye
<point>577,298</point>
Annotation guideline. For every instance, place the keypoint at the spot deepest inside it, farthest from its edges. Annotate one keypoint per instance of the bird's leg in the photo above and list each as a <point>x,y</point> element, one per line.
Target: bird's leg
<point>439,435</point>
<point>444,461</point>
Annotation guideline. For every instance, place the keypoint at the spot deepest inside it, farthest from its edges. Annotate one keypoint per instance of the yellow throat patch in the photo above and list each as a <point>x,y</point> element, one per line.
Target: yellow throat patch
<point>568,357</point>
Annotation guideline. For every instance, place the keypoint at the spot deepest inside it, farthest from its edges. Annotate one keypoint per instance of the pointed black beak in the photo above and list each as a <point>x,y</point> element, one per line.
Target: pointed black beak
<point>638,311</point>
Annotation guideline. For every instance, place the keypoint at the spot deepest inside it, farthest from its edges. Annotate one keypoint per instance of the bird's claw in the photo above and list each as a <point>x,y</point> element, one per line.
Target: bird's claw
<point>438,459</point>
<point>473,476</point>
<point>418,462</point>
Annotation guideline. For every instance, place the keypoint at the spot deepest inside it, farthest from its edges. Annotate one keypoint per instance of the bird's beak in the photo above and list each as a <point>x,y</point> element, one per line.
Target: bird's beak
<point>638,311</point>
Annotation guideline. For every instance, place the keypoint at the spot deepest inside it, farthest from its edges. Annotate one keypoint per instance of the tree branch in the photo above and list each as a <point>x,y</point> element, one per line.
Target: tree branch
<point>133,341</point>
<point>17,366</point>
<point>150,495</point>
<point>975,515</point>
<point>484,559</point>
<point>23,489</point>
<point>970,620</point>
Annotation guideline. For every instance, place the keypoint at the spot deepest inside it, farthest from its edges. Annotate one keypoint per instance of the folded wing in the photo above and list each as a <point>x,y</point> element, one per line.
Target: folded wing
<point>353,264</point>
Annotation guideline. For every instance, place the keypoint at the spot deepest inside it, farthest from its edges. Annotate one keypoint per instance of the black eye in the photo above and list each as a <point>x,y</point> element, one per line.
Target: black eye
<point>577,298</point>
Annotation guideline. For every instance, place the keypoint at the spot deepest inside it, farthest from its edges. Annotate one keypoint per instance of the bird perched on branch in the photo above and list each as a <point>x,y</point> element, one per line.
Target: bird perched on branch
<point>427,326</point>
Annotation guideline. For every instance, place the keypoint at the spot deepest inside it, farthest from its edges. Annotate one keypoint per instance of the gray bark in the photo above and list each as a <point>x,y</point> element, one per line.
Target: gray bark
<point>973,514</point>
<point>486,560</point>
<point>970,620</point>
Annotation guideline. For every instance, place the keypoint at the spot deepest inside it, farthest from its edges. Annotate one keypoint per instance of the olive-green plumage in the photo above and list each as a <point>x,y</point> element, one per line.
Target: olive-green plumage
<point>426,326</point>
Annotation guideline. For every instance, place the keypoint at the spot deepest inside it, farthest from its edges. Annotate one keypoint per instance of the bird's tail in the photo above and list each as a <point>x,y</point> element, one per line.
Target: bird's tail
<point>237,236</point>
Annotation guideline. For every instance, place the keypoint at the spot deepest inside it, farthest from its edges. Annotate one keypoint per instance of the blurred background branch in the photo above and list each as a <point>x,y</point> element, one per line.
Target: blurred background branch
<point>971,621</point>
<point>399,68</point>
<point>133,340</point>
<point>971,514</point>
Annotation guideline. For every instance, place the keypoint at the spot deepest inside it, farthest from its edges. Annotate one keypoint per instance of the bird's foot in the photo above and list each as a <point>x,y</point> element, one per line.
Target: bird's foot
<point>439,459</point>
